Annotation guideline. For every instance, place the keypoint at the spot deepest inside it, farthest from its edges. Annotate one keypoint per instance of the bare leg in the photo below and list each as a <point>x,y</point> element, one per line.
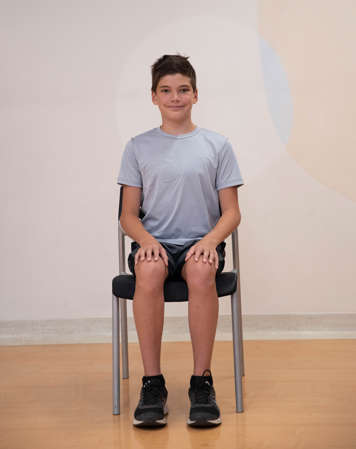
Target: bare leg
<point>148,310</point>
<point>203,310</point>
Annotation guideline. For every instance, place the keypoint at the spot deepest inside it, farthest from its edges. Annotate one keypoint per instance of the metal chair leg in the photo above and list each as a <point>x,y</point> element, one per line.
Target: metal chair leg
<point>124,339</point>
<point>240,328</point>
<point>116,355</point>
<point>235,312</point>
<point>236,262</point>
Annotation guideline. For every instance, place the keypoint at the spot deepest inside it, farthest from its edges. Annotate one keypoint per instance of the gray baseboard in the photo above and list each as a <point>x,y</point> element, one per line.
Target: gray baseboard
<point>255,327</point>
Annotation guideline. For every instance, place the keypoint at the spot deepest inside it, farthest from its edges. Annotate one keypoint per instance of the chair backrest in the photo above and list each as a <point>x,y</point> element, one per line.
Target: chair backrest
<point>121,238</point>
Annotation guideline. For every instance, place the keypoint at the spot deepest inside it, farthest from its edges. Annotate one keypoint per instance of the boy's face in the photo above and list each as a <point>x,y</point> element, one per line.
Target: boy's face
<point>175,97</point>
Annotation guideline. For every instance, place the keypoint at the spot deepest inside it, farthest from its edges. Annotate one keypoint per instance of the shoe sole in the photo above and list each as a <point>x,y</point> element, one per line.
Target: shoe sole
<point>152,422</point>
<point>204,422</point>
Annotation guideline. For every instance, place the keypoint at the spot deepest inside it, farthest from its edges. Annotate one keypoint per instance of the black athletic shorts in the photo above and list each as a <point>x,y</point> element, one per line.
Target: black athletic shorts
<point>176,257</point>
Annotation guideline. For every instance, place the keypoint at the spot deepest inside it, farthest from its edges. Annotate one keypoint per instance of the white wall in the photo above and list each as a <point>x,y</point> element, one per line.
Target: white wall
<point>75,86</point>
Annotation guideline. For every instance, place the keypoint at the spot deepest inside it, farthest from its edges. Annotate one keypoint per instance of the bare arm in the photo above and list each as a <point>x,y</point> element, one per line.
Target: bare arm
<point>230,215</point>
<point>229,220</point>
<point>133,227</point>
<point>129,220</point>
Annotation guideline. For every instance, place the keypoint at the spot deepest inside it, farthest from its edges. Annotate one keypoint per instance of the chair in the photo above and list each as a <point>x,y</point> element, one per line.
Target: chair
<point>123,288</point>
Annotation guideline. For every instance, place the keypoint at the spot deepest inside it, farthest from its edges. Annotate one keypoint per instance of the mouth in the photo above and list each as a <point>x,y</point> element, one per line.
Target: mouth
<point>175,107</point>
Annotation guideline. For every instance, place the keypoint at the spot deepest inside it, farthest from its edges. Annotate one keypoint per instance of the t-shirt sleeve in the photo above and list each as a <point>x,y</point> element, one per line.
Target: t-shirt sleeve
<point>228,172</point>
<point>129,171</point>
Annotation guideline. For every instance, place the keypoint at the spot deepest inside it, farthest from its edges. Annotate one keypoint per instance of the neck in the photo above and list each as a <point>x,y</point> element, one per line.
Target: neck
<point>178,128</point>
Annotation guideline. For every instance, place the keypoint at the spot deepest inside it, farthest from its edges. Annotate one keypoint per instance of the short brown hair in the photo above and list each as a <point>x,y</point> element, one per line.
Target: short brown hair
<point>170,65</point>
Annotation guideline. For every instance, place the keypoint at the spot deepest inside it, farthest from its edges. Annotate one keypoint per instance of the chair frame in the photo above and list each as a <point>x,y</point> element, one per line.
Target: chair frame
<point>119,316</point>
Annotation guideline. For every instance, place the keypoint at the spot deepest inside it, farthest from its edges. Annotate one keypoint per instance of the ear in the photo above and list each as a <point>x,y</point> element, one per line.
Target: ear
<point>196,96</point>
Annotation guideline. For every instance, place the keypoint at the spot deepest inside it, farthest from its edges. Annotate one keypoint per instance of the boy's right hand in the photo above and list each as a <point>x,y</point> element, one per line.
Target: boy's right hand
<point>149,247</point>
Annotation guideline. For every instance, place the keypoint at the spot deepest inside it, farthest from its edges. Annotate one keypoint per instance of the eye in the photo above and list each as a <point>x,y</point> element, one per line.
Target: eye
<point>185,89</point>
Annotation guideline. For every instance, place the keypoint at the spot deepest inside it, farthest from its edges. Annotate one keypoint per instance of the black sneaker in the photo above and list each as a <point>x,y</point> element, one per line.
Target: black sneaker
<point>152,408</point>
<point>204,411</point>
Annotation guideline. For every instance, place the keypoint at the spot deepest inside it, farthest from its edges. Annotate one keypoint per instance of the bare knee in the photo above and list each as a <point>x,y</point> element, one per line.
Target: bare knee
<point>199,274</point>
<point>151,274</point>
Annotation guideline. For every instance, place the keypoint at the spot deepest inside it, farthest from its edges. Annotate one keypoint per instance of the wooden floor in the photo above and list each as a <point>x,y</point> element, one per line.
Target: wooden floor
<point>298,394</point>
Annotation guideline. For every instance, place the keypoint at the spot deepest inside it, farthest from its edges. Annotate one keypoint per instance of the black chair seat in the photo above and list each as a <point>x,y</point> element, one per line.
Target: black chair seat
<point>123,286</point>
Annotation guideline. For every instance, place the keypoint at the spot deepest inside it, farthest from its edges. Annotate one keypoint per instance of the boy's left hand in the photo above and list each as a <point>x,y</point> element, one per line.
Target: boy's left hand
<point>205,248</point>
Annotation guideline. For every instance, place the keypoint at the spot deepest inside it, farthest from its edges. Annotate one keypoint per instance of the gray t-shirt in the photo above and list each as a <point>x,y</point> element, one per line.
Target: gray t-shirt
<point>180,176</point>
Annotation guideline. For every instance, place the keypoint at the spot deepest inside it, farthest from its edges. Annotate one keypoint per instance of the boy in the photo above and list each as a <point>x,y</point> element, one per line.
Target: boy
<point>180,175</point>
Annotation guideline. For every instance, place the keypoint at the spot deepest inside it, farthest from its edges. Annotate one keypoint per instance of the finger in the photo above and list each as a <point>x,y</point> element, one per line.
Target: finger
<point>164,255</point>
<point>216,259</point>
<point>211,257</point>
<point>156,253</point>
<point>197,253</point>
<point>189,253</point>
<point>143,254</point>
<point>206,255</point>
<point>149,251</point>
<point>137,255</point>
